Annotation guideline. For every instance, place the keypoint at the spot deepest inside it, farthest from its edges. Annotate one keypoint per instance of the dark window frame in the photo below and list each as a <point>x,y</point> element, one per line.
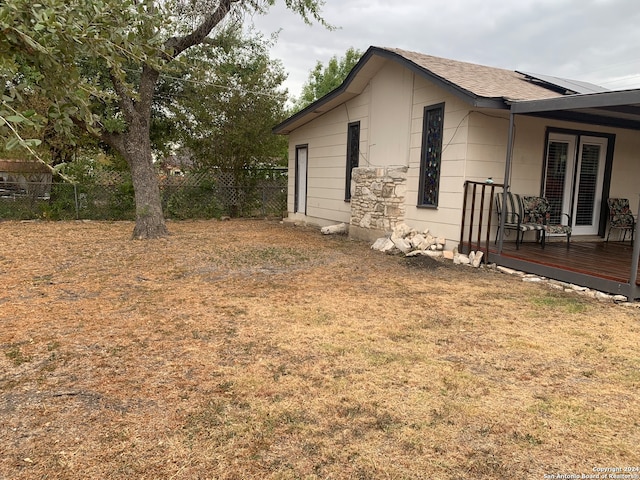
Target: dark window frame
<point>431,156</point>
<point>297,192</point>
<point>608,168</point>
<point>353,156</point>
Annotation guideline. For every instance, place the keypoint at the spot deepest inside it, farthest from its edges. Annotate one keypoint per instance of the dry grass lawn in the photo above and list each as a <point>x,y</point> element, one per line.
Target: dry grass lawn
<point>255,350</point>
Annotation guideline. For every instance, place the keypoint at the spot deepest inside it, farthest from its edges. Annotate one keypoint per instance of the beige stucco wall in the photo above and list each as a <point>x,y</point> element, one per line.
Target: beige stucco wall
<point>443,221</point>
<point>326,139</point>
<point>391,113</point>
<point>625,176</point>
<point>383,110</point>
<point>390,117</point>
<point>529,155</point>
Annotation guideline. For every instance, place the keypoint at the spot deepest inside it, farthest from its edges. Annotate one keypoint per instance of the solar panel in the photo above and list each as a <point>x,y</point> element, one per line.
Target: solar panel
<point>572,86</point>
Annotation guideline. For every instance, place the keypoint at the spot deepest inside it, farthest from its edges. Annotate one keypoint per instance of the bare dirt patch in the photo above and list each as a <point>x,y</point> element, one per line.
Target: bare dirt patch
<point>249,349</point>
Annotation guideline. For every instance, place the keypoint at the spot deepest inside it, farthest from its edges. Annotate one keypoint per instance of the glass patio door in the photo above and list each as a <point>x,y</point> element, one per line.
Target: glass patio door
<point>574,178</point>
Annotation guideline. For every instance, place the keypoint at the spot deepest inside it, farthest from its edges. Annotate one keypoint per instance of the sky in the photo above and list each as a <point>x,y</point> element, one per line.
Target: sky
<point>596,41</point>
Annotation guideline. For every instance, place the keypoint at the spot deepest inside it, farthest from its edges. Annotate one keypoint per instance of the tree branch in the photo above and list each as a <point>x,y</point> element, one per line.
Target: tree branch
<point>114,140</point>
<point>148,81</point>
<point>177,45</point>
<point>124,100</point>
<point>26,145</point>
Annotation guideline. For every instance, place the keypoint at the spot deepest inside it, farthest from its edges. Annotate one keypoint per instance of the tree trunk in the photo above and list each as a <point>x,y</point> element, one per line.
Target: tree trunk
<point>149,218</point>
<point>135,146</point>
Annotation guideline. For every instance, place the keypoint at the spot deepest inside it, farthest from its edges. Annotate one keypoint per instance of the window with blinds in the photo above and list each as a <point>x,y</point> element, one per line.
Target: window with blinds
<point>557,156</point>
<point>587,184</point>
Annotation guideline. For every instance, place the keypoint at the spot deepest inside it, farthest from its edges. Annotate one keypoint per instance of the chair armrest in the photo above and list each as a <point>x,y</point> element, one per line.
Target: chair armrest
<point>513,215</point>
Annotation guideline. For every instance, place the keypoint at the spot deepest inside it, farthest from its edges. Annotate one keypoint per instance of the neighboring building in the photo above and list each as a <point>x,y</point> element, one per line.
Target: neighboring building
<point>24,177</point>
<point>176,164</point>
<point>398,140</point>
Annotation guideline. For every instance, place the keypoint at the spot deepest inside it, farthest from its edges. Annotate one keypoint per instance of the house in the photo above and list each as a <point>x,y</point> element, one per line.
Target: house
<point>24,178</point>
<point>418,139</point>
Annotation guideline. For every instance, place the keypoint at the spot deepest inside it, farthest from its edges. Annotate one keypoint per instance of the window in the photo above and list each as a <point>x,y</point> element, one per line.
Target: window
<point>353,153</point>
<point>432,128</point>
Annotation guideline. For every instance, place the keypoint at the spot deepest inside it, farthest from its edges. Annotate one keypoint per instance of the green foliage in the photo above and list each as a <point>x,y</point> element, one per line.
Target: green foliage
<point>41,41</point>
<point>193,201</point>
<point>206,195</point>
<point>324,79</point>
<point>62,204</point>
<point>93,65</point>
<point>18,210</point>
<point>95,43</point>
<point>13,121</point>
<point>230,98</point>
<point>122,204</point>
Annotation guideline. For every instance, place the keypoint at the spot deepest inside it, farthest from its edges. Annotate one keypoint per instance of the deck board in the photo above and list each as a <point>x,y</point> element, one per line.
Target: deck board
<point>609,260</point>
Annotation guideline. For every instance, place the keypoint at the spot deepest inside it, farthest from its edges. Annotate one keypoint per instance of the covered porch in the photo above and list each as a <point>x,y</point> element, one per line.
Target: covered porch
<point>602,151</point>
<point>612,267</point>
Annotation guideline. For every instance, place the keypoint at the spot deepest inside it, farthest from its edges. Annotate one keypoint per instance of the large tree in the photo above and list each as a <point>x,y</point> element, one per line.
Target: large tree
<point>325,78</point>
<point>224,113</point>
<point>133,41</point>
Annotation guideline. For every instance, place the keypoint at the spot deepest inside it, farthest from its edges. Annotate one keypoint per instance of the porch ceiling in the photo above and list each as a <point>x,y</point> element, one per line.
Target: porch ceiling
<point>619,109</point>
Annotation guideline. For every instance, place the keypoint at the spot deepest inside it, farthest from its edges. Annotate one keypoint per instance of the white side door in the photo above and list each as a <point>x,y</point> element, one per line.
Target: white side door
<point>301,180</point>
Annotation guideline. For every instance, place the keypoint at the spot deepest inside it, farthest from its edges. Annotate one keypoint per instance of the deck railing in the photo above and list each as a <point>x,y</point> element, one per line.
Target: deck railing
<point>477,215</point>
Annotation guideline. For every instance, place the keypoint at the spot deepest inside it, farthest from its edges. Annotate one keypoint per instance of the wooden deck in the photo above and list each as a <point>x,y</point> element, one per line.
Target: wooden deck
<point>607,260</point>
<point>589,262</point>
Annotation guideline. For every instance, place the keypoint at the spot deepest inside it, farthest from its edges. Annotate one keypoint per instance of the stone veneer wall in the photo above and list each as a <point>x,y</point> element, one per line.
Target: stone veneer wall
<point>377,200</point>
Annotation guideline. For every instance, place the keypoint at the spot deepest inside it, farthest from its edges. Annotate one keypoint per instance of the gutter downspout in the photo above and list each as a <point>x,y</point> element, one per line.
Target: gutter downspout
<point>507,175</point>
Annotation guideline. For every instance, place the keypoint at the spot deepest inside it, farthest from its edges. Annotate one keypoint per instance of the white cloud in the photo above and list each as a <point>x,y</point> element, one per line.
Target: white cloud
<point>591,40</point>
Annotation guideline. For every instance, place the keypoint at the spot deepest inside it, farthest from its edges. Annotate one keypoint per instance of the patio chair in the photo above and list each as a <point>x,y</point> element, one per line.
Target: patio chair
<point>511,205</point>
<point>536,210</point>
<point>621,217</point>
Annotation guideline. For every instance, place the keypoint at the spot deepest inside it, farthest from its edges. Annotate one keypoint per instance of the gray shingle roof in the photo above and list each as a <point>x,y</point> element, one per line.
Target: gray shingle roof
<point>479,85</point>
<point>479,80</point>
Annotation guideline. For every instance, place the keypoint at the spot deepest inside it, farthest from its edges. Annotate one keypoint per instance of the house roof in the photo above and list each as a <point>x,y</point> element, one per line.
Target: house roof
<point>620,109</point>
<point>23,166</point>
<point>488,87</point>
<point>476,80</point>
<point>479,85</point>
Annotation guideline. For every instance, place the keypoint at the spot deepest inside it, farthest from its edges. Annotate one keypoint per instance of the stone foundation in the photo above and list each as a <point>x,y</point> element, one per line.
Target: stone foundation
<point>377,200</point>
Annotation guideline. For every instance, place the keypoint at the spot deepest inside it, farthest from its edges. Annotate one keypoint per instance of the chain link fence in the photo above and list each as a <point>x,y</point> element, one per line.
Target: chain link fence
<point>110,196</point>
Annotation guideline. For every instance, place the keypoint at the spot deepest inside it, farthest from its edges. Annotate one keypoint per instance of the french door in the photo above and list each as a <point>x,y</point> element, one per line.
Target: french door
<point>574,177</point>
